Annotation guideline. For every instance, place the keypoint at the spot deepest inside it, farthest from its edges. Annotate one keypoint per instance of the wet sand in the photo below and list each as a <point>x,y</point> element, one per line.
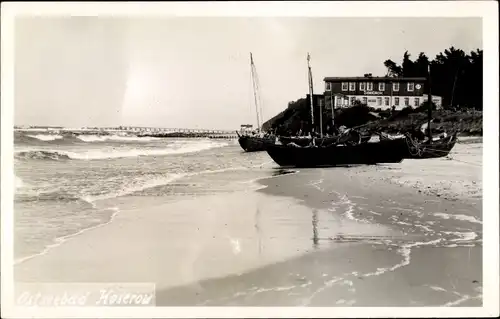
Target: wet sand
<point>421,254</point>
<point>324,237</point>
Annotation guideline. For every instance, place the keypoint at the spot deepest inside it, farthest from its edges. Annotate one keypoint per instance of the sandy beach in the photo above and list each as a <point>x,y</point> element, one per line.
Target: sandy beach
<point>384,235</point>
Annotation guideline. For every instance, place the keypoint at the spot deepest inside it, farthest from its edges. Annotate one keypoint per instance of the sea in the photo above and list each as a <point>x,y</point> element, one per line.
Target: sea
<point>66,184</point>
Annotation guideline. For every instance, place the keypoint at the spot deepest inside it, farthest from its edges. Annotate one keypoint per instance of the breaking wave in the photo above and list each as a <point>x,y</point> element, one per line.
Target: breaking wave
<point>118,138</point>
<point>41,155</point>
<point>107,154</point>
<point>43,137</point>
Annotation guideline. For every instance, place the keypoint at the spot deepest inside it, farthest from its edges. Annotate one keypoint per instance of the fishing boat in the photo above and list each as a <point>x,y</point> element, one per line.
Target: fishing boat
<point>350,147</point>
<point>257,142</point>
<point>388,151</point>
<point>254,143</point>
<point>307,140</point>
<point>432,147</point>
<point>350,137</point>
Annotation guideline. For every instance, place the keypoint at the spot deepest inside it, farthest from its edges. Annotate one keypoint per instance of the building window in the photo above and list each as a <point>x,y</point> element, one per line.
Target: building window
<point>416,102</point>
<point>328,86</point>
<point>353,100</point>
<point>396,101</point>
<point>339,101</point>
<point>352,86</point>
<point>344,86</point>
<point>381,86</point>
<point>407,101</point>
<point>369,86</point>
<point>379,101</point>
<point>362,86</point>
<point>387,101</point>
<point>395,87</point>
<point>411,86</point>
<point>365,100</point>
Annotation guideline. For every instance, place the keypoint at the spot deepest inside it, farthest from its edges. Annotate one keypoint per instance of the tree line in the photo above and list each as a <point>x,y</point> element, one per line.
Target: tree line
<point>455,75</point>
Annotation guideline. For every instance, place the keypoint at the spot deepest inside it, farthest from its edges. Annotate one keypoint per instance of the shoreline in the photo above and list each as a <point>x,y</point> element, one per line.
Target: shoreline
<point>230,243</point>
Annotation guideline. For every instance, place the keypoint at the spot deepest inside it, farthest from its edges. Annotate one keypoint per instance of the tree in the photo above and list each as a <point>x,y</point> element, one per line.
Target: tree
<point>456,76</point>
<point>408,65</point>
<point>421,65</point>
<point>393,70</point>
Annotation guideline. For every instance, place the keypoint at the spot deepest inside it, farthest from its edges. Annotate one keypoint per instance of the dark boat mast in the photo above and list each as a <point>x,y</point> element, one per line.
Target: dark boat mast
<point>429,102</point>
<point>333,108</point>
<point>311,97</point>
<point>252,67</point>
<point>309,78</point>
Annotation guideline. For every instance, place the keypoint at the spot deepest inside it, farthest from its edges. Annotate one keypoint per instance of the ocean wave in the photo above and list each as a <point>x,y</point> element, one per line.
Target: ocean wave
<point>43,137</point>
<point>41,155</point>
<point>46,196</point>
<point>120,138</point>
<point>18,182</point>
<point>105,154</point>
<point>67,137</point>
<point>130,189</point>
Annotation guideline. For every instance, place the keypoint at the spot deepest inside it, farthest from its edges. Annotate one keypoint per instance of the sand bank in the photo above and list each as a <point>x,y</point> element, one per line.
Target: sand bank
<point>457,176</point>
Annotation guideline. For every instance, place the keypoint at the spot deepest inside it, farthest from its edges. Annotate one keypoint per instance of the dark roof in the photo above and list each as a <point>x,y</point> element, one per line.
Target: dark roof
<point>373,78</point>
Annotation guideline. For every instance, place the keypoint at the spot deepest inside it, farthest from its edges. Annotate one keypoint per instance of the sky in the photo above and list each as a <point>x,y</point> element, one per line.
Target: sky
<point>194,72</point>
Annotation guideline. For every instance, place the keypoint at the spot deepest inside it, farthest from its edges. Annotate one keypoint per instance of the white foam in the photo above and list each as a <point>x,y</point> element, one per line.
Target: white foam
<point>124,138</point>
<point>403,223</point>
<point>108,154</point>
<point>349,213</point>
<point>463,236</point>
<point>43,137</point>
<point>135,188</point>
<point>470,219</point>
<point>435,288</point>
<point>18,182</point>
<point>427,229</point>
<point>405,251</point>
<point>459,301</point>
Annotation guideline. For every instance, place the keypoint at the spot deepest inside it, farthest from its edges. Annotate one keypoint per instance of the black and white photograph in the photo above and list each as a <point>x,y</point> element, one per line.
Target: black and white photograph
<point>250,159</point>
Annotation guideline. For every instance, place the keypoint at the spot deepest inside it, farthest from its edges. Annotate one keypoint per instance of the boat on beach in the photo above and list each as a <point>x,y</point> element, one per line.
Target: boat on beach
<point>389,151</point>
<point>349,147</point>
<point>349,138</point>
<point>435,148</point>
<point>255,142</point>
<point>421,144</point>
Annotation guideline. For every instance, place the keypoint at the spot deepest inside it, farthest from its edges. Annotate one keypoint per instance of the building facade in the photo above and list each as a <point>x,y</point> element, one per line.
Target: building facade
<point>376,92</point>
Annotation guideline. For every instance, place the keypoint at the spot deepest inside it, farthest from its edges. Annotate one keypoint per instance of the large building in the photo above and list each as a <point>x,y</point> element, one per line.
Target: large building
<point>377,92</point>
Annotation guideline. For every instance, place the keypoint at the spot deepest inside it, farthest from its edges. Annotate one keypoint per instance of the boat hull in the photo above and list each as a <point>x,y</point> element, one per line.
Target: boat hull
<point>337,155</point>
<point>436,149</point>
<point>254,144</point>
<point>323,141</point>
